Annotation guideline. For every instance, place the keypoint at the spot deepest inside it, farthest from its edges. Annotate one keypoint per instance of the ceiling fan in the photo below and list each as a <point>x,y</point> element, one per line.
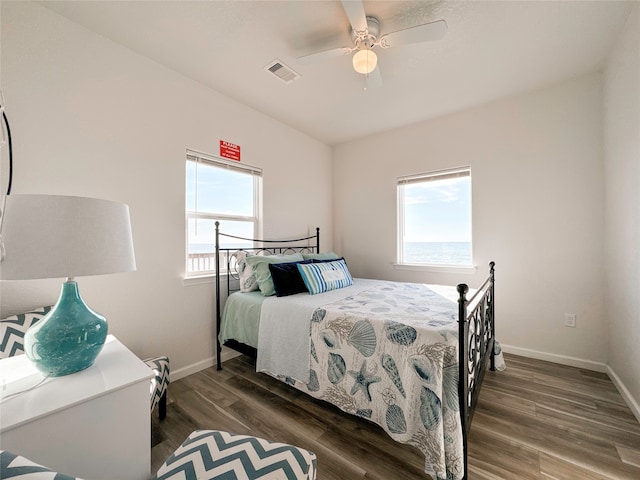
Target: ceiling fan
<point>365,33</point>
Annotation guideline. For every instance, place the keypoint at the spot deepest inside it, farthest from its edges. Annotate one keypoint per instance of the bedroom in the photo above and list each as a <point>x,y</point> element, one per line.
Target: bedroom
<point>552,201</point>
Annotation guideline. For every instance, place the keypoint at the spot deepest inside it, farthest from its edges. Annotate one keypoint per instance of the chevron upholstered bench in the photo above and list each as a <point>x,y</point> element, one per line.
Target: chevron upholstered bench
<point>215,455</point>
<point>17,467</point>
<point>12,330</point>
<point>204,455</point>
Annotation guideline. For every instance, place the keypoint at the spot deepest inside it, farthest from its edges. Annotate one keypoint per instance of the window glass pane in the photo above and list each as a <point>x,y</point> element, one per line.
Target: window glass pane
<point>205,238</point>
<point>201,243</point>
<point>191,186</point>
<point>219,190</point>
<point>437,222</point>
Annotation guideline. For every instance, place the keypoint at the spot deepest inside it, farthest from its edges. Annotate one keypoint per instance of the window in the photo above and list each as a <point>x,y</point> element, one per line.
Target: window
<point>223,191</point>
<point>434,218</point>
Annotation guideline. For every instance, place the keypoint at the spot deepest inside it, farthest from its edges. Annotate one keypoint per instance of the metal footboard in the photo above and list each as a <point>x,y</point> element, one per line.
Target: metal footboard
<point>476,337</point>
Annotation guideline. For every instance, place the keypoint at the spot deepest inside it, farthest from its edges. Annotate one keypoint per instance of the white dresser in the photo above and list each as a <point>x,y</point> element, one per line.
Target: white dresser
<point>93,424</point>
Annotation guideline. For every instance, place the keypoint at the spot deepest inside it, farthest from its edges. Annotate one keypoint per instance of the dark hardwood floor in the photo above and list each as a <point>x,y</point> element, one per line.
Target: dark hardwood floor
<point>535,420</point>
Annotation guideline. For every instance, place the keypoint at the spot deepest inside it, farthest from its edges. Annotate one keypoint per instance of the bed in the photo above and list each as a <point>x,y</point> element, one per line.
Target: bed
<point>408,357</point>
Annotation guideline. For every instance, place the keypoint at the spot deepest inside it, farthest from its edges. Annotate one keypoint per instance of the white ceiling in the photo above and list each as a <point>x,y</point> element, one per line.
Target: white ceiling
<point>491,50</point>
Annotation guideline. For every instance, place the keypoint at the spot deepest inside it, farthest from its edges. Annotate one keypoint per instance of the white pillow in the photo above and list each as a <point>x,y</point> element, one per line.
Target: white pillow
<point>248,282</point>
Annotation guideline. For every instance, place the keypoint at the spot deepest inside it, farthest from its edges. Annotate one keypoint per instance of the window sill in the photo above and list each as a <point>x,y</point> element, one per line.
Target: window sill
<point>418,267</point>
<point>198,279</point>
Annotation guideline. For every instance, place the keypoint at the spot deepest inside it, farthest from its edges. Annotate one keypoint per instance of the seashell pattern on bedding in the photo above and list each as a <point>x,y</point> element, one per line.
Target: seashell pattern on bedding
<point>362,337</point>
<point>389,354</point>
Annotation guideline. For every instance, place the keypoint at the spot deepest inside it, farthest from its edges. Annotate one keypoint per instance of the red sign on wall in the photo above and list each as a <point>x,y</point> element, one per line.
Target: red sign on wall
<point>229,150</point>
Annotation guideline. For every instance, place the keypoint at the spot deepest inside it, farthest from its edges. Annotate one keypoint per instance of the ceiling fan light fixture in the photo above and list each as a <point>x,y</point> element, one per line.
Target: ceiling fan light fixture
<point>365,61</point>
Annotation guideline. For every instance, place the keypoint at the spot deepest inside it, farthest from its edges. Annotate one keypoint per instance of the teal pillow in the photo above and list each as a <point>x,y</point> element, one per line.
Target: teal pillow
<point>320,256</point>
<point>322,277</point>
<point>260,267</point>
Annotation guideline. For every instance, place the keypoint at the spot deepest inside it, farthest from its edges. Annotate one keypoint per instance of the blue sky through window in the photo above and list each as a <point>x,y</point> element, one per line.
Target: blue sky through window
<point>220,191</point>
<point>438,211</point>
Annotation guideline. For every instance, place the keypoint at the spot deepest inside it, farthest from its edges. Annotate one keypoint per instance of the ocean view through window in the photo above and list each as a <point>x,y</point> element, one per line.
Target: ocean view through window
<point>434,218</point>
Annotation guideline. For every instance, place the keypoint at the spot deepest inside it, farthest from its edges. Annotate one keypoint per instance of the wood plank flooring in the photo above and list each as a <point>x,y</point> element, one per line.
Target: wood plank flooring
<point>535,420</point>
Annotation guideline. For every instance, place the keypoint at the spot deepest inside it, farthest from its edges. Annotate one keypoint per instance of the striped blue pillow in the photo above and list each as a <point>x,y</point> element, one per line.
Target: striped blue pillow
<point>322,277</point>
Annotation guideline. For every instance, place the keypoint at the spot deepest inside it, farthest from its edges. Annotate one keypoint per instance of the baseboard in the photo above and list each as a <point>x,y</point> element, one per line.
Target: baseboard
<point>626,395</point>
<point>555,358</point>
<point>202,364</point>
<point>227,354</point>
<point>193,368</point>
<point>580,363</point>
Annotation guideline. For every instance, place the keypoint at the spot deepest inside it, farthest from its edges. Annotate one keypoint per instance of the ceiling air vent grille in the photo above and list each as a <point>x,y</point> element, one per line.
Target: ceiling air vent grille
<point>280,70</point>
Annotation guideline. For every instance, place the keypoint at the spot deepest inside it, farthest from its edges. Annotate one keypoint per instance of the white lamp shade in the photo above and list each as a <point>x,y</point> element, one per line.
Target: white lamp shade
<point>365,61</point>
<point>52,236</point>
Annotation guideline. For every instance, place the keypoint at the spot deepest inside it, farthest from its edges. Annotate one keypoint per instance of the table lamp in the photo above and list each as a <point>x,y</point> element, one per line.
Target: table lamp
<point>51,236</point>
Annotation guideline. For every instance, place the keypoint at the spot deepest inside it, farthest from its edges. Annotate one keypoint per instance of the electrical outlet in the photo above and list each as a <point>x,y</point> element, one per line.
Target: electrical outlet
<point>570,320</point>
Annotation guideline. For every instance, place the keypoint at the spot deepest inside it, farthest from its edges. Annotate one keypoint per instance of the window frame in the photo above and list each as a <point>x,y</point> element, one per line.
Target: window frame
<point>457,172</point>
<point>256,219</point>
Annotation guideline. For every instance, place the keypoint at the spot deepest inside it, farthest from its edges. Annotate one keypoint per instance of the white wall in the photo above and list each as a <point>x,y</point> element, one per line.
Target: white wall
<point>537,166</point>
<point>622,206</point>
<point>92,118</point>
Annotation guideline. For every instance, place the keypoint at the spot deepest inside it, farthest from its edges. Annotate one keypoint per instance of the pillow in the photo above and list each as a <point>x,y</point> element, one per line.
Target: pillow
<point>316,260</point>
<point>320,256</point>
<point>12,330</point>
<point>287,279</point>
<point>248,282</point>
<point>325,276</point>
<point>260,266</point>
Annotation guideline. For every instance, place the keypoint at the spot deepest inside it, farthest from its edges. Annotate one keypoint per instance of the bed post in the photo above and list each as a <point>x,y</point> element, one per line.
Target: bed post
<point>218,346</point>
<point>492,312</point>
<point>317,239</point>
<point>463,365</point>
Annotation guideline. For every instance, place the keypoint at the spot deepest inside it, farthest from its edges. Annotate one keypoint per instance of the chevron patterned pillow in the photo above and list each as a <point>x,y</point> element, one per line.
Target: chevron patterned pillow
<point>12,330</point>
<point>19,468</point>
<point>215,455</point>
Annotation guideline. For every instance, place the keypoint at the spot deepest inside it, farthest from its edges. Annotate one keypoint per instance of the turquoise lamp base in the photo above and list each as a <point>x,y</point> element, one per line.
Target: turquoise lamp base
<point>69,338</point>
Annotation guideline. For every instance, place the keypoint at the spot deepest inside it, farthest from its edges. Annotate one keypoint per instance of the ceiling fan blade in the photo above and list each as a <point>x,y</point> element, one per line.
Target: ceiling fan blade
<point>421,33</point>
<point>374,79</point>
<point>324,55</point>
<point>357,18</point>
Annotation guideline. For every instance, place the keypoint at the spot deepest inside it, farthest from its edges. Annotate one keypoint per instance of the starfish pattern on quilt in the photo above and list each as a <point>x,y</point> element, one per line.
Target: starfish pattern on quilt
<point>363,380</point>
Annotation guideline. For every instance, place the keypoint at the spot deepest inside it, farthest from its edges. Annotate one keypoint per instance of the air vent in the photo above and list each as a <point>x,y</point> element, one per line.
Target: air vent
<point>280,70</point>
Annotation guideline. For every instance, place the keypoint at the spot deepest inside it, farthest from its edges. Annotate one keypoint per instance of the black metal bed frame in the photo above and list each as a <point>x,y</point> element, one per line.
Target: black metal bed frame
<point>476,342</point>
<point>281,247</point>
<point>476,324</point>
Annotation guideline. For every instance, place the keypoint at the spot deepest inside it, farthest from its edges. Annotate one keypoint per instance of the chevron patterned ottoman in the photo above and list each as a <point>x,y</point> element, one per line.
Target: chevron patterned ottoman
<point>17,467</point>
<point>214,455</point>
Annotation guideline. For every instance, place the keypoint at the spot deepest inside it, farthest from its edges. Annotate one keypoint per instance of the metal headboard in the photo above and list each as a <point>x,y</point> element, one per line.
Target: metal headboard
<point>229,257</point>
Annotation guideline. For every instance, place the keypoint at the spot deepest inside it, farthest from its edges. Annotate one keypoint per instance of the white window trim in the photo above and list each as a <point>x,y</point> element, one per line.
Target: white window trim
<point>195,156</point>
<point>424,267</point>
<point>188,280</point>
